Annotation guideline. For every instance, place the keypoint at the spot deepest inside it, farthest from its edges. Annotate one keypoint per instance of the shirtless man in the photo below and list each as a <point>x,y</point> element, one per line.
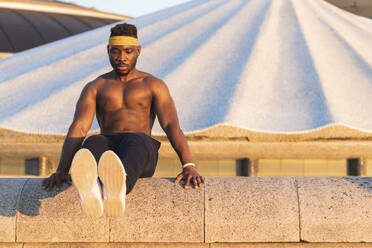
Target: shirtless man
<point>126,102</point>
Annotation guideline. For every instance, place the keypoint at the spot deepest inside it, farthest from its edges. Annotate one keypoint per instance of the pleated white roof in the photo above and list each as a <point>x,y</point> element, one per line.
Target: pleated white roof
<point>276,66</point>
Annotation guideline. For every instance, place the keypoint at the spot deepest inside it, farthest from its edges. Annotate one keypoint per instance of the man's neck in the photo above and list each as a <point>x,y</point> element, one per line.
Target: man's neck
<point>125,78</point>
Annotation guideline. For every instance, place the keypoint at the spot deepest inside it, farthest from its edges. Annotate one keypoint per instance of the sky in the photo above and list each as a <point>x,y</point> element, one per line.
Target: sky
<point>133,8</point>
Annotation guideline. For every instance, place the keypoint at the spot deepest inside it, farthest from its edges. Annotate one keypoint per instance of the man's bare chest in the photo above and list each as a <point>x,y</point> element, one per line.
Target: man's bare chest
<point>130,96</point>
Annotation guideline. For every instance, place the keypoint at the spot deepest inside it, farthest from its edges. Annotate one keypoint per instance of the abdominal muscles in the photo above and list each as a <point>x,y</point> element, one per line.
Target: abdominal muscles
<point>125,120</point>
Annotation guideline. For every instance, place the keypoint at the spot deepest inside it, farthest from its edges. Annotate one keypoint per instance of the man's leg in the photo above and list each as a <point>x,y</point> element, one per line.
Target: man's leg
<point>84,174</point>
<point>138,157</point>
<point>113,176</point>
<point>132,156</point>
<point>97,145</point>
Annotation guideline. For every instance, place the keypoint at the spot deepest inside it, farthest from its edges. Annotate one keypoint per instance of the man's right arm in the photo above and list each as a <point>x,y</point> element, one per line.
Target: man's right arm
<point>83,118</point>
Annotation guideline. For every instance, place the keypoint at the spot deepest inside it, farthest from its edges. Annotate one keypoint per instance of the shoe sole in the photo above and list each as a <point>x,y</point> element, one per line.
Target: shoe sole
<point>112,174</point>
<point>84,176</point>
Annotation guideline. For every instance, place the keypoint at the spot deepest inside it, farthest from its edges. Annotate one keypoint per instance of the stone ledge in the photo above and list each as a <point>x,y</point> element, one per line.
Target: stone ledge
<point>238,210</point>
<point>336,209</point>
<point>186,245</point>
<point>251,209</point>
<point>10,191</point>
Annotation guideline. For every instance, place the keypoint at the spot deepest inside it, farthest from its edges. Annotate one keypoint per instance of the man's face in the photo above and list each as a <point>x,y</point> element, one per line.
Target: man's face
<point>123,59</point>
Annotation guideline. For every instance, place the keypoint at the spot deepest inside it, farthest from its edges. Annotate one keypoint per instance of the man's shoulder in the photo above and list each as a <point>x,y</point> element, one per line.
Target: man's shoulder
<point>99,80</point>
<point>152,81</point>
<point>93,86</point>
<point>157,86</point>
<point>102,78</point>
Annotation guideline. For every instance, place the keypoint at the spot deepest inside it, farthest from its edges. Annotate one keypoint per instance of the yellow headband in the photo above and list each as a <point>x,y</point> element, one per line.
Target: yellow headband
<point>123,41</point>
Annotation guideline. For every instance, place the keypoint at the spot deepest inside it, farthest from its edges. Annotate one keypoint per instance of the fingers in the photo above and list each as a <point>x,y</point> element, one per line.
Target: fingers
<point>199,181</point>
<point>51,183</point>
<point>195,178</point>
<point>178,178</point>
<point>187,185</point>
<point>58,183</point>
<point>45,182</point>
<point>195,182</point>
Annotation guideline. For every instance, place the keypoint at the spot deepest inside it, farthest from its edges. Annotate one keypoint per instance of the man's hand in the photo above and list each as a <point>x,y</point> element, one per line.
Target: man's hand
<point>56,179</point>
<point>189,174</point>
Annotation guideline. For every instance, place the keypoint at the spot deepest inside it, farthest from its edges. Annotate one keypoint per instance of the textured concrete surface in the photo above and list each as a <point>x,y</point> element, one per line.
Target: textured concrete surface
<point>157,210</point>
<point>251,209</point>
<point>56,217</point>
<point>186,245</point>
<point>119,245</point>
<point>161,214</point>
<point>11,245</point>
<point>335,209</point>
<point>10,190</point>
<point>291,245</point>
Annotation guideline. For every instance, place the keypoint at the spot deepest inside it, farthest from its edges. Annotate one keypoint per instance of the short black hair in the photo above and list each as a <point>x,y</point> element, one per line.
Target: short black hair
<point>124,29</point>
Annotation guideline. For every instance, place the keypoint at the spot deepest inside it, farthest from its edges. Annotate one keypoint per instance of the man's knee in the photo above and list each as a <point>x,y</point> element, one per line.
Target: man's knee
<point>96,144</point>
<point>94,141</point>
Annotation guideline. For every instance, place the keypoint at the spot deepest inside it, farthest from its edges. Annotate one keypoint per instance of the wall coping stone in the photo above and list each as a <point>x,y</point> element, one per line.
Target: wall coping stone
<point>236,210</point>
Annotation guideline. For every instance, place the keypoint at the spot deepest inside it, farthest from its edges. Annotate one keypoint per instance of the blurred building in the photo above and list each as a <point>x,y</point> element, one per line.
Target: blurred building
<point>25,24</point>
<point>358,7</point>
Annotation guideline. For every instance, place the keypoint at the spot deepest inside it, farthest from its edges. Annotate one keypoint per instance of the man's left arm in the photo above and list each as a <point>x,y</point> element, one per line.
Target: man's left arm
<point>167,115</point>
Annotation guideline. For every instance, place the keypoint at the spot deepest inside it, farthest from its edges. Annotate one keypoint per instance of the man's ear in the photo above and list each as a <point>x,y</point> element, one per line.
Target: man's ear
<point>139,50</point>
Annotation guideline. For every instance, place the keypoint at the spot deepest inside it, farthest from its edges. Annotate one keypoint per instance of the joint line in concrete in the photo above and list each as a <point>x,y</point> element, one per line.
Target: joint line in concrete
<point>109,230</point>
<point>299,211</point>
<point>17,210</point>
<point>204,212</point>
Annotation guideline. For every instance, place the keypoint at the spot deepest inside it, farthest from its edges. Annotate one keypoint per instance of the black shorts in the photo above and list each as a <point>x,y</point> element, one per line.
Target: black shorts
<point>137,151</point>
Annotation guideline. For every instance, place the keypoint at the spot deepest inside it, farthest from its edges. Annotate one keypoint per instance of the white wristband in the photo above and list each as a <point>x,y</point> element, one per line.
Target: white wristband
<point>188,164</point>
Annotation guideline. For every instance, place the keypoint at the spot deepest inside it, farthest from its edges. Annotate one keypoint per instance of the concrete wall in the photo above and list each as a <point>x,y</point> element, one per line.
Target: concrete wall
<point>226,212</point>
<point>358,7</point>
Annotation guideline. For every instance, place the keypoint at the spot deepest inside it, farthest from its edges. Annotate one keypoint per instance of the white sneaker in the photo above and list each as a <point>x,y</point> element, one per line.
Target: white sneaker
<point>112,174</point>
<point>84,177</point>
